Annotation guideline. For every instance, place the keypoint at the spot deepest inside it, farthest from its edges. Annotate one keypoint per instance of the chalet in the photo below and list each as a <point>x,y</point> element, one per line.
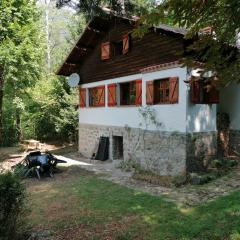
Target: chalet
<point>136,92</point>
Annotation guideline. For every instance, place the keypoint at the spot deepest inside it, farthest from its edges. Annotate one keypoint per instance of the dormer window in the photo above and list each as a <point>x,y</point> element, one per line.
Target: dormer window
<point>116,48</point>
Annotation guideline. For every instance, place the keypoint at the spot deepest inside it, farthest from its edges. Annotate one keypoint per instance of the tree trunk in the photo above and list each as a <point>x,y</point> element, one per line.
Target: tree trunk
<point>47,2</point>
<point>1,108</point>
<point>18,125</point>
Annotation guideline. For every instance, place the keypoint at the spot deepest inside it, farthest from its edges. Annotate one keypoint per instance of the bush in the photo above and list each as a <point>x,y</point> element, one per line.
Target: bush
<point>12,197</point>
<point>224,163</point>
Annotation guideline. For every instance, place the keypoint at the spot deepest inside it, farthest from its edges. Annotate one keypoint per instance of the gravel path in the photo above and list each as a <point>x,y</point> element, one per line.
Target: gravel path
<point>188,195</point>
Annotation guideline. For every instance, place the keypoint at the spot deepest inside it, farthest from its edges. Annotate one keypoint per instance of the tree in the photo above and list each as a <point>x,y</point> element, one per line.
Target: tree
<point>20,49</point>
<point>50,106</point>
<point>217,49</point>
<point>92,8</point>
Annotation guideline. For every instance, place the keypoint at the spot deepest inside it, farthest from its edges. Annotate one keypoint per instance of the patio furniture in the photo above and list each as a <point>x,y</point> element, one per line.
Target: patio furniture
<point>39,163</point>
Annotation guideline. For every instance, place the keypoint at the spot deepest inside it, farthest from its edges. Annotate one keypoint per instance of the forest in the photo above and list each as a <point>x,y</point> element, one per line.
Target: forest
<point>36,35</point>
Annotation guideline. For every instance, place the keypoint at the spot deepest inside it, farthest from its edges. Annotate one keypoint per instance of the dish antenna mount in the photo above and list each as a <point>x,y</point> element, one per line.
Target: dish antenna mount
<point>73,80</point>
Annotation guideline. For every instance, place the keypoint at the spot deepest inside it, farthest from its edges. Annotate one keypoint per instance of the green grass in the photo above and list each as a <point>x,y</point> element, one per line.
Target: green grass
<point>86,200</point>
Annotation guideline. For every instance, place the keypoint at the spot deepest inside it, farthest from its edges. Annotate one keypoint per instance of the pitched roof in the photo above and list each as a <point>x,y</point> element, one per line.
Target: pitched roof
<point>168,28</point>
<point>88,39</point>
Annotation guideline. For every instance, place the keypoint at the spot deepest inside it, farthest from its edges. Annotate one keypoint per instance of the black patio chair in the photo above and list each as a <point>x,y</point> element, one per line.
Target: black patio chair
<point>37,162</point>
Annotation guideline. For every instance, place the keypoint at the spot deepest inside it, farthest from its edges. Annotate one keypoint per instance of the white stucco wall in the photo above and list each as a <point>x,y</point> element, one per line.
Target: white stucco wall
<point>172,116</point>
<point>230,103</point>
<point>182,117</point>
<point>201,117</point>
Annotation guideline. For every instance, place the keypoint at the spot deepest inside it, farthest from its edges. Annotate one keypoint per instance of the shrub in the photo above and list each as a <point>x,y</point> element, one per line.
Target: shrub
<point>129,165</point>
<point>12,196</point>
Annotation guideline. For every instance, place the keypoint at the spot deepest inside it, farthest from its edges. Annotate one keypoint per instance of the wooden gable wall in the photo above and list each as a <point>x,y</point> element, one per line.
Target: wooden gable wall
<point>153,48</point>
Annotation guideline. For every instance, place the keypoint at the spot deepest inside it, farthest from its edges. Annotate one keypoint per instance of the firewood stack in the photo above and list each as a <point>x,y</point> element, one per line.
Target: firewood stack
<point>223,123</point>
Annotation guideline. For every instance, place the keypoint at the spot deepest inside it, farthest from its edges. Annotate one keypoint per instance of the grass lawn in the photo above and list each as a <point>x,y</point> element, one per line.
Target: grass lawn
<point>80,205</point>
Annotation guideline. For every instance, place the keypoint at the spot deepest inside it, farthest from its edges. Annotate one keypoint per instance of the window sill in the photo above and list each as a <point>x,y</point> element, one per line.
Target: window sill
<point>123,106</point>
<point>157,104</point>
<point>96,106</point>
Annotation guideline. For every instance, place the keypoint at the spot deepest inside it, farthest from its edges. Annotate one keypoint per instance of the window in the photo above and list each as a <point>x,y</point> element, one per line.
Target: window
<point>162,91</point>
<point>200,94</point>
<point>93,97</point>
<point>131,93</point>
<point>127,93</point>
<point>115,48</point>
<point>97,96</point>
<point>122,47</point>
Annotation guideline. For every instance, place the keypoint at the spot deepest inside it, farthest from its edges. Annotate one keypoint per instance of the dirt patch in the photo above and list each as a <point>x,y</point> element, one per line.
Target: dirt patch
<point>10,156</point>
<point>110,231</point>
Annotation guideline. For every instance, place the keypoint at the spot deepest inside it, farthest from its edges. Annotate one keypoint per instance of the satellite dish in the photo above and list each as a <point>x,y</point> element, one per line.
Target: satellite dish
<point>73,80</point>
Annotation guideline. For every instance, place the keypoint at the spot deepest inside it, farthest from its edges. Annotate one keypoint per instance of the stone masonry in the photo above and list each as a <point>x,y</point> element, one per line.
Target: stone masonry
<point>234,142</point>
<point>201,149</point>
<point>164,153</point>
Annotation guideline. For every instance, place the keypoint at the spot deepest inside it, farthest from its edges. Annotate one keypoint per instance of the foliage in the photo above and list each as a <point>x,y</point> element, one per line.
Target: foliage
<point>12,197</point>
<point>38,104</point>
<point>217,50</point>
<point>64,27</point>
<point>51,113</point>
<point>92,8</point>
<point>224,163</point>
<point>149,117</point>
<point>129,165</point>
<point>20,56</point>
<point>51,109</point>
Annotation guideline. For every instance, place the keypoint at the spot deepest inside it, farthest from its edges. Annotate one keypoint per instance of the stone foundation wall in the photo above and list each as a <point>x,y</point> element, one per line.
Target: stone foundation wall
<point>234,142</point>
<point>163,153</point>
<point>201,149</point>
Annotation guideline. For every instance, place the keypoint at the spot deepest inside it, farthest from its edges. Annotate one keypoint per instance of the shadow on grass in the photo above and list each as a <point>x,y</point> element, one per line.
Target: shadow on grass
<point>92,201</point>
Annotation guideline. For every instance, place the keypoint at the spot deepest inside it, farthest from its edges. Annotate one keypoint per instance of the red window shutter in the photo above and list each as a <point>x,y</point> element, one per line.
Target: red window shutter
<point>112,92</point>
<point>101,96</point>
<point>173,89</point>
<point>125,39</point>
<point>139,92</point>
<point>149,92</point>
<point>213,96</point>
<point>105,51</point>
<point>82,97</point>
<point>195,89</point>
